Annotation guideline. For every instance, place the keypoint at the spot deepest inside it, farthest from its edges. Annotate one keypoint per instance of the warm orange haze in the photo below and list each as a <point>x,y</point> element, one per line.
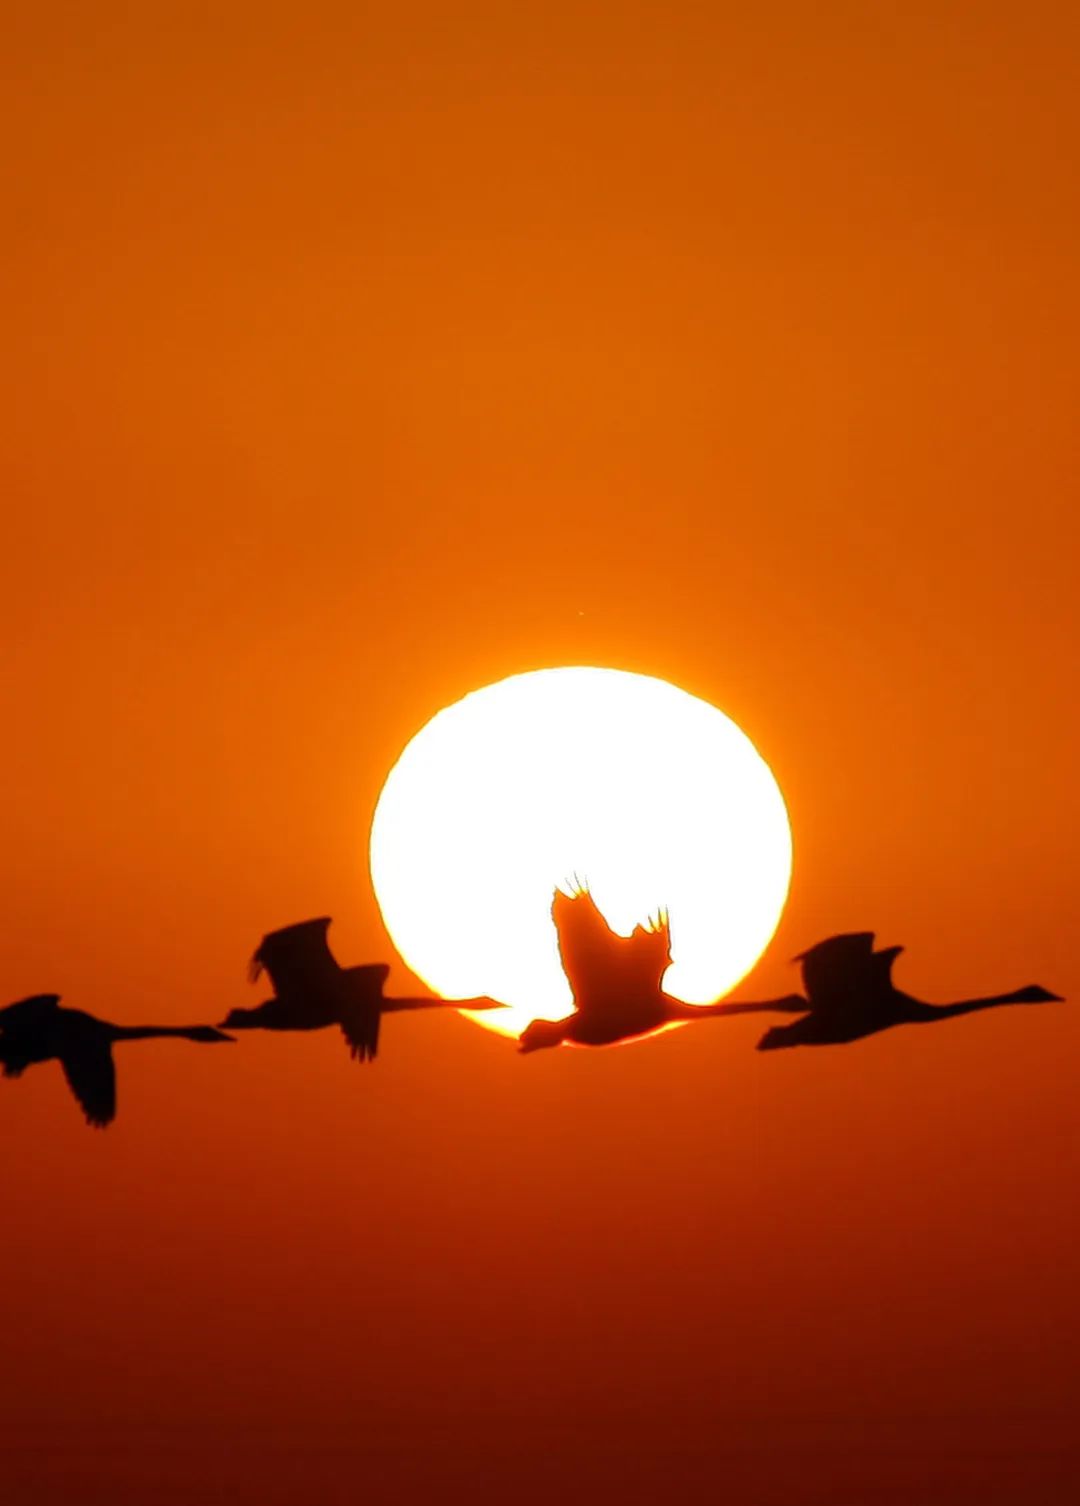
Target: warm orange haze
<point>359,358</point>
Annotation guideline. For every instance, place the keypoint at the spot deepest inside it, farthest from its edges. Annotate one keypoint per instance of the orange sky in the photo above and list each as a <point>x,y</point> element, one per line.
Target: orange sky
<point>359,357</point>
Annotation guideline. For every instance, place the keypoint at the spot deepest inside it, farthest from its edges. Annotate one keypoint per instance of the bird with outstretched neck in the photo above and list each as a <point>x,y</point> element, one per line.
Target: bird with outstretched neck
<point>312,990</point>
<point>617,981</point>
<point>37,1030</point>
<point>850,994</point>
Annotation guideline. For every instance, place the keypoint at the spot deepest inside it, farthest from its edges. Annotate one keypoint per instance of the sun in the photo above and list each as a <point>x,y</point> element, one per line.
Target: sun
<point>647,794</point>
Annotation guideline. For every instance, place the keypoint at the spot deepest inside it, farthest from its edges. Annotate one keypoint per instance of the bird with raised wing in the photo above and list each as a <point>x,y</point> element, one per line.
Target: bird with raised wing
<point>312,990</point>
<point>37,1030</point>
<point>617,981</point>
<point>850,994</point>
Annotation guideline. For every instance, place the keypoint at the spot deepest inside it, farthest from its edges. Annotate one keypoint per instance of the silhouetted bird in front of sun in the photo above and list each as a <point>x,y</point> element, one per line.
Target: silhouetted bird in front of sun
<point>617,981</point>
<point>850,994</point>
<point>312,990</point>
<point>38,1030</point>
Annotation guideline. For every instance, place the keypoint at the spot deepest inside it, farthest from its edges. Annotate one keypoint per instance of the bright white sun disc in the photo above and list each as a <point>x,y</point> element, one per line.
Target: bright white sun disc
<point>649,795</point>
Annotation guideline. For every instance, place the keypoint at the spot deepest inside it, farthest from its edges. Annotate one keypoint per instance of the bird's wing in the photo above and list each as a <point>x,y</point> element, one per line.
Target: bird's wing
<point>838,970</point>
<point>603,968</point>
<point>648,951</point>
<point>369,979</point>
<point>25,1010</point>
<point>296,957</point>
<point>13,1062</point>
<point>360,1027</point>
<point>91,1076</point>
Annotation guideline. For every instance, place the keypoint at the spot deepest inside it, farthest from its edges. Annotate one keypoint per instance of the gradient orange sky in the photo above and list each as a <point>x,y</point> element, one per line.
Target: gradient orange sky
<point>358,357</point>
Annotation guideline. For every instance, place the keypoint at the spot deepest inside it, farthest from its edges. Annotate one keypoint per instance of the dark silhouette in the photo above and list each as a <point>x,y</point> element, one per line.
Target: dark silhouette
<point>850,993</point>
<point>38,1030</point>
<point>312,990</point>
<point>616,981</point>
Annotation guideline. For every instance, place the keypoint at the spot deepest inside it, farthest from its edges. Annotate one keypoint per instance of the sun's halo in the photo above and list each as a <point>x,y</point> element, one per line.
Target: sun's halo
<point>652,797</point>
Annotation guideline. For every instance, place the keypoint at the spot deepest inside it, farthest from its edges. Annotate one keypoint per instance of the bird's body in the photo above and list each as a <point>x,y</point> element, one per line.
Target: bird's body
<point>850,994</point>
<point>617,981</point>
<point>312,991</point>
<point>37,1030</point>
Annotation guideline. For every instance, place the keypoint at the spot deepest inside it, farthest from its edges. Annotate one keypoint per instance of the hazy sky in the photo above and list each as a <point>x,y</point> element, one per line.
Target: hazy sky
<point>358,357</point>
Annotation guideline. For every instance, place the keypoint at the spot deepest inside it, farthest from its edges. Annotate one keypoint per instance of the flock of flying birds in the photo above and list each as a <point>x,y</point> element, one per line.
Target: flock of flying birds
<point>616,983</point>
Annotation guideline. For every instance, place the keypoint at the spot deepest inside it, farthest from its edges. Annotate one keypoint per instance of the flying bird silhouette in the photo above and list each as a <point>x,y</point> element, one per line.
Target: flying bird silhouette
<point>38,1030</point>
<point>312,990</point>
<point>850,994</point>
<point>617,981</point>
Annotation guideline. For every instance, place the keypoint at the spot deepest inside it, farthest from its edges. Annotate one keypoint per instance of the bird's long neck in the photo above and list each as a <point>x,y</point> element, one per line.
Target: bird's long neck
<point>155,1032</point>
<point>389,1006</point>
<point>789,1004</point>
<point>969,1006</point>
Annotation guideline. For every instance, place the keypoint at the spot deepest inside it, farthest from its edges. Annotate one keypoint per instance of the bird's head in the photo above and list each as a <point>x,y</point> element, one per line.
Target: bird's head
<point>541,1033</point>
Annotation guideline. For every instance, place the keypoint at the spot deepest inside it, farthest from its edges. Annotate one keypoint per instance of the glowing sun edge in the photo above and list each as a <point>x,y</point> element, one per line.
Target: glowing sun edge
<point>542,756</point>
